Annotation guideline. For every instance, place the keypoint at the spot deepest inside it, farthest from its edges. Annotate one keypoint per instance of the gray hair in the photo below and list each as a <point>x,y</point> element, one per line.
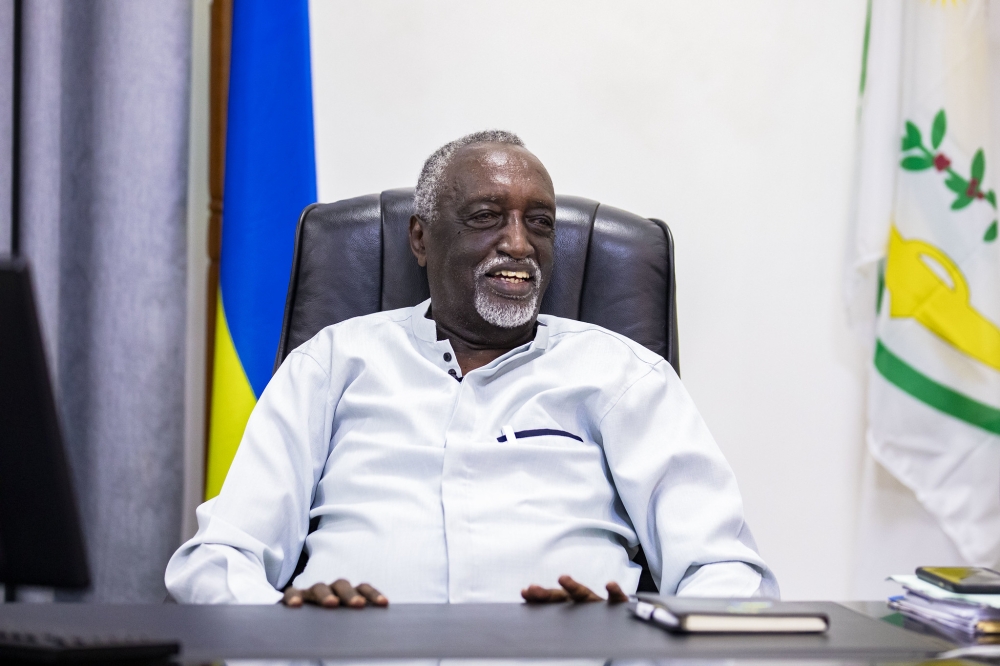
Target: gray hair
<point>425,197</point>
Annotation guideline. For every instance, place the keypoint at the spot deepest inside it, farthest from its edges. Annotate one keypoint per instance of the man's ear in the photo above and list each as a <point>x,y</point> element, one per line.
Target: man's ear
<point>417,237</point>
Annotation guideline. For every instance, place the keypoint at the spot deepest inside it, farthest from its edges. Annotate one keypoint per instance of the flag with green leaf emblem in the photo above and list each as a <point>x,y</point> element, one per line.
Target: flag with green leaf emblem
<point>924,279</point>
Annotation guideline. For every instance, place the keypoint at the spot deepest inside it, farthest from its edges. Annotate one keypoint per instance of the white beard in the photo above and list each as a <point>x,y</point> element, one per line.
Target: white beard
<point>505,312</point>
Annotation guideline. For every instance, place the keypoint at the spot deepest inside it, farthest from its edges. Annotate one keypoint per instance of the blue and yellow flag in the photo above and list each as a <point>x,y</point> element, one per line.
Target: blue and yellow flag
<point>270,177</point>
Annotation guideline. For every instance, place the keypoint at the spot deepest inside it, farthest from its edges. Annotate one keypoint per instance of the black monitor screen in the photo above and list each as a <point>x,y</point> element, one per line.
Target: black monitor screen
<point>41,542</point>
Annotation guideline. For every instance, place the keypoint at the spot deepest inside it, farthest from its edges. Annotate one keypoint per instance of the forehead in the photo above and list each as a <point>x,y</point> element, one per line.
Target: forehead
<point>498,171</point>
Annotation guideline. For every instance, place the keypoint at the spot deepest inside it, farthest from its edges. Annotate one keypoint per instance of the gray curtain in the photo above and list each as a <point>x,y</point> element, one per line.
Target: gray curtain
<point>104,137</point>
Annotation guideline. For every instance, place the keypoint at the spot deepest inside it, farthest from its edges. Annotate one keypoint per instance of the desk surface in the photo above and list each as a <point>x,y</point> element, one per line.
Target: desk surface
<point>483,631</point>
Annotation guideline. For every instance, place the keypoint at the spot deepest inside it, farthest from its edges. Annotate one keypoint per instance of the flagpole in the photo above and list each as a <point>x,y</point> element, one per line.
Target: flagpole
<point>221,43</point>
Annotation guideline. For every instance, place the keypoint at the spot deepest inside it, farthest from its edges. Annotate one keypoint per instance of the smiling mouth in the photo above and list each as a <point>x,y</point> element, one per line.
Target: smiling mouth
<point>512,282</point>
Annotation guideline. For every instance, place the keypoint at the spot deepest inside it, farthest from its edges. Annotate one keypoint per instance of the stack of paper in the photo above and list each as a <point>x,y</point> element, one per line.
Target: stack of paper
<point>967,614</point>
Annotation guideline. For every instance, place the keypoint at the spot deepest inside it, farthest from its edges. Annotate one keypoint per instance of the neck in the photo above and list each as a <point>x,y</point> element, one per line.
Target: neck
<point>474,349</point>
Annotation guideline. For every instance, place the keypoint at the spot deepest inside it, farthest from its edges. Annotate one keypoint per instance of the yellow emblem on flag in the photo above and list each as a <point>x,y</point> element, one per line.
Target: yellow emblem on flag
<point>919,292</point>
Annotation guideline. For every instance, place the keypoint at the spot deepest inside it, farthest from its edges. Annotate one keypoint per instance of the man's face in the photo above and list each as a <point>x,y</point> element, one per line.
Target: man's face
<point>489,252</point>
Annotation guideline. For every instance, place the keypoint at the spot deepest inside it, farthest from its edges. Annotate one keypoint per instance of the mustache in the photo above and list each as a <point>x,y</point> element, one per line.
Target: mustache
<point>488,264</point>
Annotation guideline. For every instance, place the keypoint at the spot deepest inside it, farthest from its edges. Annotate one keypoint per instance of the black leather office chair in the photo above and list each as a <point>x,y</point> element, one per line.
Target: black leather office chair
<point>611,268</point>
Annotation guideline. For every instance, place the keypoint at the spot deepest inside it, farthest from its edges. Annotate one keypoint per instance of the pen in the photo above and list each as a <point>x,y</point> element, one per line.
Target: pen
<point>653,613</point>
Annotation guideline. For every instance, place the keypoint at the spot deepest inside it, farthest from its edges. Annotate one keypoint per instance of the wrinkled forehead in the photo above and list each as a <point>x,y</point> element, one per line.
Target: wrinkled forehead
<point>496,170</point>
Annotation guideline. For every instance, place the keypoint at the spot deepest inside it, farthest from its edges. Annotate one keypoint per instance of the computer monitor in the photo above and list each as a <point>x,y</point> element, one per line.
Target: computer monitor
<point>41,541</point>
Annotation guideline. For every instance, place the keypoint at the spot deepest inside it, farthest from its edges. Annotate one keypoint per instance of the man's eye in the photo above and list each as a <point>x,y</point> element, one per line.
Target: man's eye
<point>546,222</point>
<point>485,216</point>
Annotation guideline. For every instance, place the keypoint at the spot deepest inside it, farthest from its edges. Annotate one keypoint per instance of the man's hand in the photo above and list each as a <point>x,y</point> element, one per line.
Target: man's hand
<point>571,591</point>
<point>340,593</point>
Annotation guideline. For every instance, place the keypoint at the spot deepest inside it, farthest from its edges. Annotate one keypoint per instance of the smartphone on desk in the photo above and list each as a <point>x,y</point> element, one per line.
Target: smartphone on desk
<point>963,580</point>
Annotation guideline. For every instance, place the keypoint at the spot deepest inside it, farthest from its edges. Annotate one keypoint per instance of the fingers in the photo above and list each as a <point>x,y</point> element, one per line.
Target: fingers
<point>292,598</point>
<point>373,596</point>
<point>577,592</point>
<point>572,590</point>
<point>318,594</point>
<point>321,595</point>
<point>615,594</point>
<point>341,593</point>
<point>347,594</point>
<point>536,594</point>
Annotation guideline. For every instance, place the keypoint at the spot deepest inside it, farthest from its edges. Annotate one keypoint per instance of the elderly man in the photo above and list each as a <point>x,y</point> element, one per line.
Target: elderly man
<point>469,449</point>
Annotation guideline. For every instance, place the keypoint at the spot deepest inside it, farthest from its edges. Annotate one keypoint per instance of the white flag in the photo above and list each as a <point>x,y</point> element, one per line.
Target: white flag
<point>925,264</point>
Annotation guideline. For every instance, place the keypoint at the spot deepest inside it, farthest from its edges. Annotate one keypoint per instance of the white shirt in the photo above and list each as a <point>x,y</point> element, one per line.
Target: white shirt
<point>559,457</point>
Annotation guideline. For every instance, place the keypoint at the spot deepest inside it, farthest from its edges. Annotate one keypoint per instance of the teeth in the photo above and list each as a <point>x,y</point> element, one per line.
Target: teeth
<point>522,275</point>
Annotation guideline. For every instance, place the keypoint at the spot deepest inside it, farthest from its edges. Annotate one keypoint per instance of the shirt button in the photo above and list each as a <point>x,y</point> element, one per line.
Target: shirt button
<point>447,357</point>
<point>451,371</point>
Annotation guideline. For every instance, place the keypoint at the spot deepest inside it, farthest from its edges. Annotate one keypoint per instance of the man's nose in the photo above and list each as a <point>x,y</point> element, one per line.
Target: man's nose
<point>515,242</point>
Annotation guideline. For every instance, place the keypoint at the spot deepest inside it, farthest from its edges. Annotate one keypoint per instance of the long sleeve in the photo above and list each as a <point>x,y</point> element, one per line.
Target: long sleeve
<point>250,536</point>
<point>680,492</point>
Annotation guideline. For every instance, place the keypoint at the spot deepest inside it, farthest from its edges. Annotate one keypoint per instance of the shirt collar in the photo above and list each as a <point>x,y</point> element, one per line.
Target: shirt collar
<point>424,328</point>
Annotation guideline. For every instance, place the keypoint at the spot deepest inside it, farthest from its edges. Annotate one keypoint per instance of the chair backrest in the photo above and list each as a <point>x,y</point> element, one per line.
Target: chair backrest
<point>611,268</point>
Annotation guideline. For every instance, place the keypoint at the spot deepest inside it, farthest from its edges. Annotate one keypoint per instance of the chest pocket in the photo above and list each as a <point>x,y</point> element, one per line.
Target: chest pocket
<point>539,432</point>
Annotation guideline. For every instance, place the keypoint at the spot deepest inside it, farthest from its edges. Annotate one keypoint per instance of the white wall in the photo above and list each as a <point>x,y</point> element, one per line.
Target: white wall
<point>734,122</point>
